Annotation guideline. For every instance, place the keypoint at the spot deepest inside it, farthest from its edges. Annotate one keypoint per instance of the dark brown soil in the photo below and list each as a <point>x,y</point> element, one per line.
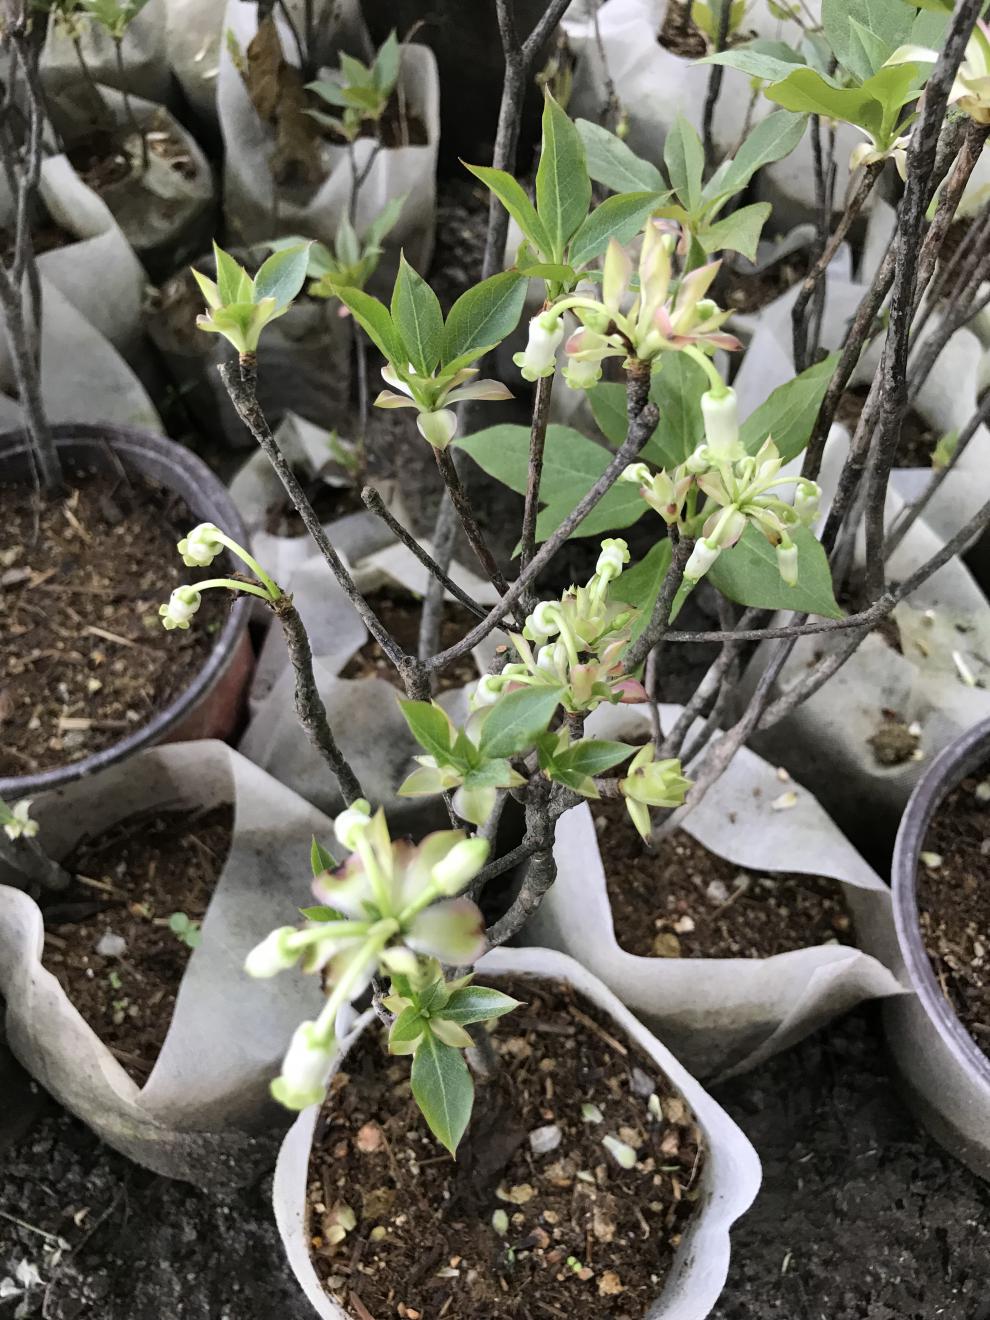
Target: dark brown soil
<point>46,236</point>
<point>917,441</point>
<point>84,658</point>
<point>585,1237</point>
<point>400,611</point>
<point>749,292</point>
<point>893,743</point>
<point>681,901</point>
<point>679,34</point>
<point>131,880</point>
<point>954,904</point>
<point>395,128</point>
<point>104,158</point>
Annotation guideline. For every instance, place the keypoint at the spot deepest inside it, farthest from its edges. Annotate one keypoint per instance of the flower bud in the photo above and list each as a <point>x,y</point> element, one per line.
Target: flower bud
<point>806,498</point>
<point>582,375</point>
<point>273,955</point>
<point>437,427</point>
<point>702,557</point>
<point>638,473</point>
<point>654,783</point>
<point>488,691</point>
<point>721,416</point>
<point>698,461</point>
<point>182,605</point>
<point>540,358</point>
<point>304,1070</point>
<point>201,546</point>
<point>19,824</point>
<point>787,563</point>
<point>613,558</point>
<point>461,864</point>
<point>543,622</point>
<point>352,823</point>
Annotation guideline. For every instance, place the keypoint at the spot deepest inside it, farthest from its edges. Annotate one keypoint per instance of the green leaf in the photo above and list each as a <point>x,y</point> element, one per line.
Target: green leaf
<point>483,316</point>
<point>618,217</point>
<point>640,585</point>
<point>738,232</point>
<point>320,912</point>
<point>571,465</point>
<point>563,188</point>
<point>230,278</point>
<point>676,389</point>
<point>555,272</point>
<point>385,70</point>
<point>375,320</point>
<point>497,773</point>
<point>807,91</point>
<point>748,574</point>
<point>684,156</point>
<point>430,726</point>
<point>477,1003</point>
<point>513,197</point>
<point>384,221</point>
<point>406,1031</point>
<point>615,165</point>
<point>320,859</point>
<point>515,721</point>
<point>443,1089</point>
<point>862,33</point>
<point>771,140</point>
<point>417,316</point>
<point>608,406</point>
<point>282,275</point>
<point>593,756</point>
<point>789,414</point>
<point>769,61</point>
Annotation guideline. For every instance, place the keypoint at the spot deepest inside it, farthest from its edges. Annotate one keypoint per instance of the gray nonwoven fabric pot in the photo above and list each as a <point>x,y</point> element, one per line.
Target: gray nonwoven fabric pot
<point>946,1074</point>
<point>209,705</point>
<point>730,1180</point>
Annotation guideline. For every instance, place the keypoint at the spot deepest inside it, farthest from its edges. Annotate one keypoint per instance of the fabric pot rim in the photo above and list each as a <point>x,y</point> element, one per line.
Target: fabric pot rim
<point>732,1174</point>
<point>186,475</point>
<point>951,765</point>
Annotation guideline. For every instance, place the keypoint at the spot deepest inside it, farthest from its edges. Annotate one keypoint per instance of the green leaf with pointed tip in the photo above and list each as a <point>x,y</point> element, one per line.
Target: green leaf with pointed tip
<point>417,316</point>
<point>282,275</point>
<point>619,217</point>
<point>230,277</point>
<point>321,913</point>
<point>748,574</point>
<point>862,33</point>
<point>615,165</point>
<point>563,187</point>
<point>484,315</point>
<point>771,140</point>
<point>738,232</point>
<point>684,156</point>
<point>594,756</point>
<point>640,585</point>
<point>385,220</point>
<point>320,859</point>
<point>375,320</point>
<point>430,726</point>
<point>515,721</point>
<point>477,1003</point>
<point>806,91</point>
<point>406,1031</point>
<point>789,414</point>
<point>385,70</point>
<point>208,288</point>
<point>443,1090</point>
<point>770,65</point>
<point>676,389</point>
<point>513,197</point>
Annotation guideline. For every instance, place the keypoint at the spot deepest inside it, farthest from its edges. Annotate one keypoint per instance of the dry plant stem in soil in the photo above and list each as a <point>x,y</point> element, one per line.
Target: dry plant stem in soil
<point>311,711</point>
<point>20,287</point>
<point>620,1228</point>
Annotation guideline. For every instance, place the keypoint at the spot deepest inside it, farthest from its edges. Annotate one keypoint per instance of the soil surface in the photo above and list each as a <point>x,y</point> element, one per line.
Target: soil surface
<point>917,440</point>
<point>679,900</point>
<point>400,612</point>
<point>79,602</point>
<point>575,1240</point>
<point>861,1216</point>
<point>679,34</point>
<point>749,291</point>
<point>954,903</point>
<point>106,158</point>
<point>132,879</point>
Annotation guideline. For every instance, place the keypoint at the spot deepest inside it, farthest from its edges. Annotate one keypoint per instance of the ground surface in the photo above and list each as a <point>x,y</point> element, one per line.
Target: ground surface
<point>861,1216</point>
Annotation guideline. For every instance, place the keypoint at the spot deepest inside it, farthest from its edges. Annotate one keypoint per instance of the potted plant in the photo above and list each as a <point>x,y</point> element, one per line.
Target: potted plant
<point>71,715</point>
<point>118,984</point>
<point>938,1035</point>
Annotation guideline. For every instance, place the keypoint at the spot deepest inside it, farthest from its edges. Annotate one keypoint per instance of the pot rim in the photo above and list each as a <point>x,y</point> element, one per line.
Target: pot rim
<point>124,440</point>
<point>945,772</point>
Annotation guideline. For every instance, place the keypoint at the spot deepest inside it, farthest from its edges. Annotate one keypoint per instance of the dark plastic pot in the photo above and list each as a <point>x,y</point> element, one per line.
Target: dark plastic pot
<point>210,706</point>
<point>946,1074</point>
